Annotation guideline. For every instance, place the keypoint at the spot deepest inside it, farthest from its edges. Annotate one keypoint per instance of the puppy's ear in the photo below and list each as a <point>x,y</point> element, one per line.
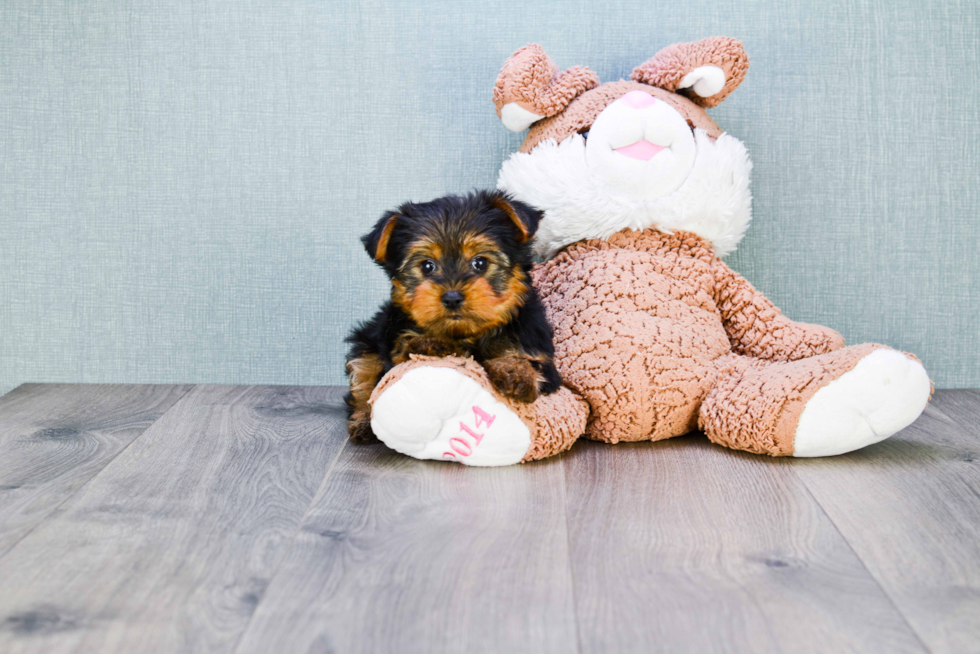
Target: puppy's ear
<point>376,242</point>
<point>524,216</point>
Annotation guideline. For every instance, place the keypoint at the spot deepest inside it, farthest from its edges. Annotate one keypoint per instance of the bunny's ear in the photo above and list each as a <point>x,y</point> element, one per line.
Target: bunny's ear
<point>706,71</point>
<point>530,87</point>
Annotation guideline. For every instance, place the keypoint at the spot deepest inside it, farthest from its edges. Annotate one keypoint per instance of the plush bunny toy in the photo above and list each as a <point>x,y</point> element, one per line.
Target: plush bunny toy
<point>655,336</point>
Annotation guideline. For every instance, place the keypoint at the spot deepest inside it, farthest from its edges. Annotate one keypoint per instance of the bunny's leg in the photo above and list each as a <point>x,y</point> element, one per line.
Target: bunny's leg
<point>816,406</point>
<point>446,409</point>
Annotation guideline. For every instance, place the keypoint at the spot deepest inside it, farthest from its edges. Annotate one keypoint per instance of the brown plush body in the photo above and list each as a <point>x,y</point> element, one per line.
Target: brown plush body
<point>662,338</point>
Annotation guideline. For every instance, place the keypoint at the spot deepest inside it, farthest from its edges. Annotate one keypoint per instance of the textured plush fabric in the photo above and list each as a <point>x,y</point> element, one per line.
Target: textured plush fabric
<point>756,328</point>
<point>184,182</point>
<point>669,66</point>
<point>648,325</point>
<point>533,81</point>
<point>755,405</point>
<point>555,421</point>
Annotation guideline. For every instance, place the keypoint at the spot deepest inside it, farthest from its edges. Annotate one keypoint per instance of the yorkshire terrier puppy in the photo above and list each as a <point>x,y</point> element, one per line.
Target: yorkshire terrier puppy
<point>459,269</point>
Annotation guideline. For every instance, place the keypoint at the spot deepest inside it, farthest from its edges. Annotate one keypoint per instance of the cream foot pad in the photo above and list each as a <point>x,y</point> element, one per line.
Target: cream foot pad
<point>439,413</point>
<point>884,393</point>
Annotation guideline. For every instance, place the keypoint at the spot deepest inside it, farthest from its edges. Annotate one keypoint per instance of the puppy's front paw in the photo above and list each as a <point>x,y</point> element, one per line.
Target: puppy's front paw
<point>435,347</point>
<point>514,377</point>
<point>359,429</point>
<point>431,346</point>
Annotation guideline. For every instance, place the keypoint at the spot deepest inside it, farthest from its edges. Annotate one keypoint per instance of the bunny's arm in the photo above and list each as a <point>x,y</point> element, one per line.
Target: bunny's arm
<point>757,328</point>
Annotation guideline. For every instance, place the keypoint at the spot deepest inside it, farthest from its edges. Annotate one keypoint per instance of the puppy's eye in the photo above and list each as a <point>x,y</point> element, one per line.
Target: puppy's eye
<point>428,267</point>
<point>479,264</point>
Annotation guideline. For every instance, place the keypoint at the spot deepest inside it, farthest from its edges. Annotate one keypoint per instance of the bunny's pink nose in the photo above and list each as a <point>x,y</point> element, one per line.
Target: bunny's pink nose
<point>638,99</point>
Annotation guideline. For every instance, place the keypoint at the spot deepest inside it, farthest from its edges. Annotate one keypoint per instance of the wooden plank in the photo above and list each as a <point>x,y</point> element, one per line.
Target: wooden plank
<point>171,546</point>
<point>399,555</point>
<point>910,508</point>
<point>686,546</point>
<point>56,437</point>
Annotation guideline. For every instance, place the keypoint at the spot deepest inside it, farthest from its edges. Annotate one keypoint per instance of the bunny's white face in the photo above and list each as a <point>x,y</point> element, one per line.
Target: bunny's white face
<point>640,165</point>
<point>640,148</point>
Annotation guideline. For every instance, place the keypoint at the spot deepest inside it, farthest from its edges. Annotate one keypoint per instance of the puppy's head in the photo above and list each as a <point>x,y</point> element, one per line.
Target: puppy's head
<point>458,265</point>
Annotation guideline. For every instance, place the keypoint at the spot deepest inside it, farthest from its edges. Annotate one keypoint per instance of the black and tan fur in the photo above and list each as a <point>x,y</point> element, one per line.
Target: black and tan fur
<point>460,286</point>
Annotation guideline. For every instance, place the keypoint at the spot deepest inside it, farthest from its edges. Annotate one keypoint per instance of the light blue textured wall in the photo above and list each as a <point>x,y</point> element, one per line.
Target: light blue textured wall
<point>183,182</point>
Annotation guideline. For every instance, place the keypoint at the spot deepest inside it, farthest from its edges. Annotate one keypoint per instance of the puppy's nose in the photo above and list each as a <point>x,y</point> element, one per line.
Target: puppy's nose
<point>452,299</point>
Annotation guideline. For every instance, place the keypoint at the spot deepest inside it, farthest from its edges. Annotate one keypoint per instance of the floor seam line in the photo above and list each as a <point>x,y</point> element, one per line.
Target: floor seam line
<point>568,546</point>
<point>292,543</point>
<point>864,565</point>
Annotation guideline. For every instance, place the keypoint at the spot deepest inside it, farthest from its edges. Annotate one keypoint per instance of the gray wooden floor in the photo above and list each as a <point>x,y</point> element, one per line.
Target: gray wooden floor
<point>237,519</point>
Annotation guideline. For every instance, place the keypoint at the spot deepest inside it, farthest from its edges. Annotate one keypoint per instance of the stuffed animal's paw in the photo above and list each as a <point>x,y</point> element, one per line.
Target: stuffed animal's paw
<point>440,413</point>
<point>884,393</point>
